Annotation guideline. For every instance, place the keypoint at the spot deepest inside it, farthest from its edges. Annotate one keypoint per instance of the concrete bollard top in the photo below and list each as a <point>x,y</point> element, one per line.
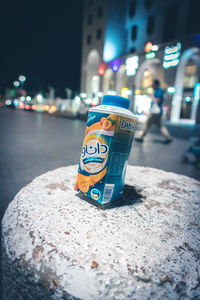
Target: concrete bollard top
<point>147,245</point>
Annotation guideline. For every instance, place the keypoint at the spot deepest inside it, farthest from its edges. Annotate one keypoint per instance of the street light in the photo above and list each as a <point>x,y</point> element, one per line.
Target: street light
<point>39,98</point>
<point>77,99</point>
<point>95,78</point>
<point>99,94</point>
<point>83,95</point>
<point>28,98</point>
<point>16,83</point>
<point>22,78</point>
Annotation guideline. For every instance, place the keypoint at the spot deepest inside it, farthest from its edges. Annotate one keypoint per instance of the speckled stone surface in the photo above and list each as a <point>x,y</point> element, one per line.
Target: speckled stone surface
<point>58,246</point>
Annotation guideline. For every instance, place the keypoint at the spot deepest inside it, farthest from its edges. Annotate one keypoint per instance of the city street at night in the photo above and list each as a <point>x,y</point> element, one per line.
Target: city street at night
<point>34,143</point>
<point>100,150</point>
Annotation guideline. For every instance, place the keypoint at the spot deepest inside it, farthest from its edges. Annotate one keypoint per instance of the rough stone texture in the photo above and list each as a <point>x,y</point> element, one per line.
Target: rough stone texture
<point>146,246</point>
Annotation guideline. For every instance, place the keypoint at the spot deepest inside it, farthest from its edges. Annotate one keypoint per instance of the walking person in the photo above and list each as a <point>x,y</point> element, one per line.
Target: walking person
<point>155,117</point>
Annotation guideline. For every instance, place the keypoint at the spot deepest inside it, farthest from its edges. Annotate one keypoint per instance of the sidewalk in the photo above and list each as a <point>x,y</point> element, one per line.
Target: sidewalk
<point>179,130</point>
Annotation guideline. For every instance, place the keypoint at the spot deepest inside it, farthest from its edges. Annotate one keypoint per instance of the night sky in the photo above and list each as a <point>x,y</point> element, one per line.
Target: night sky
<point>41,40</point>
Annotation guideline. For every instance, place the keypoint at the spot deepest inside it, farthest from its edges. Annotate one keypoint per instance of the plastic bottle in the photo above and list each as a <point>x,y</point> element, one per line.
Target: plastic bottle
<point>106,148</point>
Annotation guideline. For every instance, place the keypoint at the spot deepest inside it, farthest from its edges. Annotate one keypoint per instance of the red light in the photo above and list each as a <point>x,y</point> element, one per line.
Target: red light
<point>148,47</point>
<point>27,107</point>
<point>21,105</point>
<point>33,107</point>
<point>101,69</point>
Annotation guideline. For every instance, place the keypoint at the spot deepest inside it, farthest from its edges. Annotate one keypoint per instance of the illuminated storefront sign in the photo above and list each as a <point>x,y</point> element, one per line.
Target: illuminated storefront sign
<point>115,64</point>
<point>99,94</point>
<point>150,55</point>
<point>125,92</point>
<point>171,56</point>
<point>145,91</point>
<point>147,47</point>
<point>171,90</point>
<point>115,68</point>
<point>195,103</point>
<point>110,50</point>
<point>154,48</point>
<point>150,47</point>
<point>187,99</point>
<point>197,91</point>
<point>168,64</point>
<point>101,69</point>
<point>83,95</point>
<point>150,50</point>
<point>111,93</point>
<point>173,49</point>
<point>131,65</point>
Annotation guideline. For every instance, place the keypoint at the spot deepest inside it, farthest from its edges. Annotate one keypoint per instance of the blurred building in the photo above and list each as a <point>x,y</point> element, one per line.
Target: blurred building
<point>128,43</point>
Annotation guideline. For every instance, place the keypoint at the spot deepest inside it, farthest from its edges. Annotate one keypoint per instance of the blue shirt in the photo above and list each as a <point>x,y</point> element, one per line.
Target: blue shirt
<point>159,93</point>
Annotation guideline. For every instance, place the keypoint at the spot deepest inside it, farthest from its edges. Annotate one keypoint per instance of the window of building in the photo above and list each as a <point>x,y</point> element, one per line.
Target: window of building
<point>190,76</point>
<point>170,23</point>
<point>99,33</point>
<point>150,25</point>
<point>193,20</point>
<point>89,19</point>
<point>132,8</point>
<point>100,11</point>
<point>89,39</point>
<point>134,32</point>
<point>148,4</point>
<point>147,79</point>
<point>133,50</point>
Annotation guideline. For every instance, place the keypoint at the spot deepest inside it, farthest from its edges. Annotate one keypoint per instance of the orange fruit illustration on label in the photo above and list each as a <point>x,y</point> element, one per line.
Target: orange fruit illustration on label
<point>83,182</point>
<point>107,125</point>
<point>109,122</point>
<point>102,121</point>
<point>97,177</point>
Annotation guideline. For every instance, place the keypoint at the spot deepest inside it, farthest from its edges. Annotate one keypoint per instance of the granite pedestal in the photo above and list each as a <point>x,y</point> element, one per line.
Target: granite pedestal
<point>145,246</point>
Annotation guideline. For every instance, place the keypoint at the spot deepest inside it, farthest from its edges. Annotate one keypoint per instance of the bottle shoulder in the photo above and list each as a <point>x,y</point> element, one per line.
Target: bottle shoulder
<point>114,110</point>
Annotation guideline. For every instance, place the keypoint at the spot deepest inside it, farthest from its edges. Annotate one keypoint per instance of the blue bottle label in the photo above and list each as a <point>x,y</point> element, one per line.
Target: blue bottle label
<point>104,156</point>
